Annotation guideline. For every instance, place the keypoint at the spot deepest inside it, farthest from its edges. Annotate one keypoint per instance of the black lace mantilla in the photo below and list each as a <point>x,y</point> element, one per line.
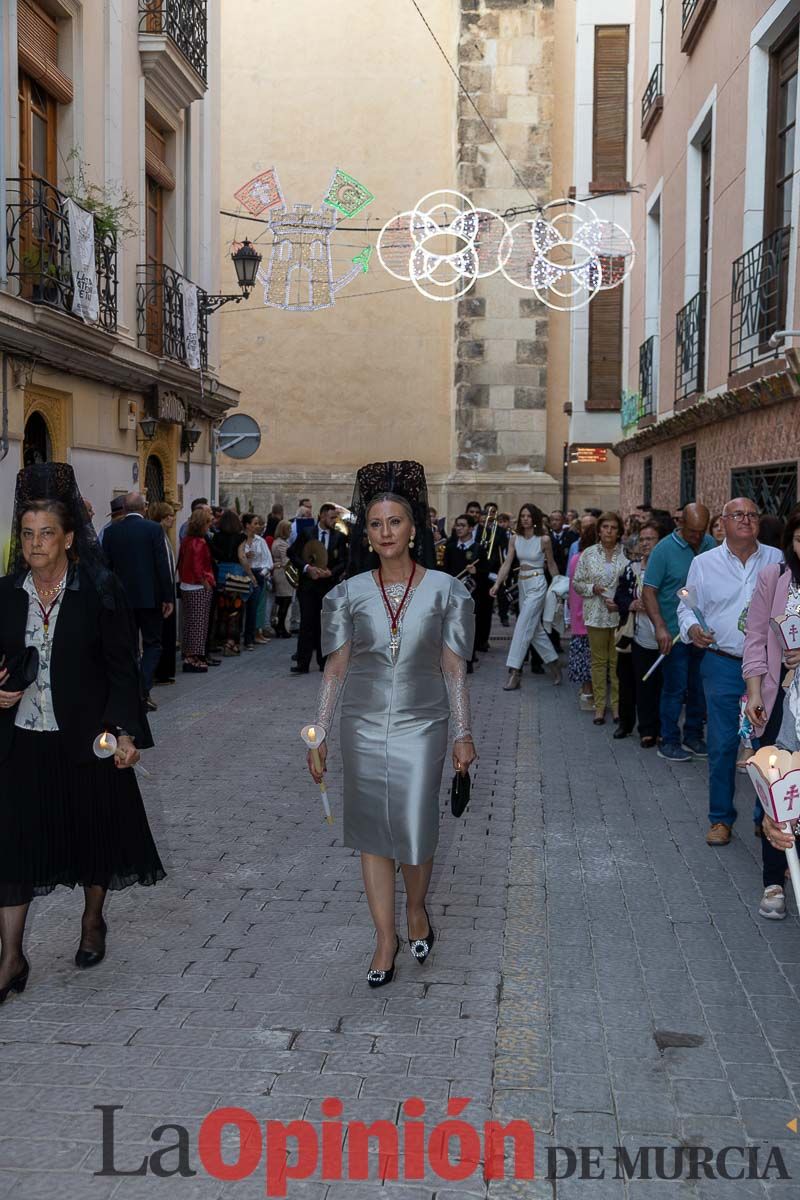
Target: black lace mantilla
<point>405,479</point>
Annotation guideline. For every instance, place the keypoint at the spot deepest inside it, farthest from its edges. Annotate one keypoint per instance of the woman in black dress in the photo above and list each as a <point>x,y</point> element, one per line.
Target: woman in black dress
<point>69,674</point>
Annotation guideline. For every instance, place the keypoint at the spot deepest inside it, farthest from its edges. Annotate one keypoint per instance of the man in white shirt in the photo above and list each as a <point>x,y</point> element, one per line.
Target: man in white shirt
<point>720,585</point>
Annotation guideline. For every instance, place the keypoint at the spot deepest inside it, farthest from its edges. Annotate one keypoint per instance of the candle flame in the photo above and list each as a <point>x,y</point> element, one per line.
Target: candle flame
<point>312,733</point>
<point>773,758</point>
<point>104,742</point>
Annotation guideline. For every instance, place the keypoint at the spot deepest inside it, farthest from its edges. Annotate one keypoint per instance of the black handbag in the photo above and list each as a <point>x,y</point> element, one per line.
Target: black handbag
<point>459,793</point>
<point>22,670</point>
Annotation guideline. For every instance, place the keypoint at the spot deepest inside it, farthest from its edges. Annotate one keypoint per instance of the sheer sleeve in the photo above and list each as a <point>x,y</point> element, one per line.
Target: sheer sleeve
<point>454,670</point>
<point>336,666</point>
<point>337,634</point>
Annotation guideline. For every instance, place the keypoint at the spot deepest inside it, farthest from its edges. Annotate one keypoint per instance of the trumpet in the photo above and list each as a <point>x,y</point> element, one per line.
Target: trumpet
<point>489,534</point>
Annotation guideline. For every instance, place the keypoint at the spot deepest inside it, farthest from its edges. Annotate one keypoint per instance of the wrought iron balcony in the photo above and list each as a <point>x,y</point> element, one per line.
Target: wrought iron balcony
<point>694,14</point>
<point>653,100</point>
<point>38,250</point>
<point>647,378</point>
<point>690,337</point>
<point>167,27</point>
<point>758,299</point>
<point>159,314</point>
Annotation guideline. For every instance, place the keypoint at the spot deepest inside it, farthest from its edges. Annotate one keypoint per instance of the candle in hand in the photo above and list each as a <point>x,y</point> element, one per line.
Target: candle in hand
<point>773,773</point>
<point>105,745</point>
<point>311,736</point>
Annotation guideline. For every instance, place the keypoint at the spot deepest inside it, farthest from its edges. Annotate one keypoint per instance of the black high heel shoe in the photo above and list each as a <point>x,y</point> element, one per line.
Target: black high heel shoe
<point>92,958</point>
<point>17,984</point>
<point>377,979</point>
<point>421,947</point>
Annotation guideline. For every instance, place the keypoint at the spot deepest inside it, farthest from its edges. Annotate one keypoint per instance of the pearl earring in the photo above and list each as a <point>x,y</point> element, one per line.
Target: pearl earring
<point>411,544</point>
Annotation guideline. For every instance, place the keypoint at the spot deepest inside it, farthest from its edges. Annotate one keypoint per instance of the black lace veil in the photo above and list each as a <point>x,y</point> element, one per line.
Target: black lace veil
<point>56,481</point>
<point>406,480</point>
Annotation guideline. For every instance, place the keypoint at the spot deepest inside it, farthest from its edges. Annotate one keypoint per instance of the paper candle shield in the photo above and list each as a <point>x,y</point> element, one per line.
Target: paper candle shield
<point>787,630</point>
<point>781,798</point>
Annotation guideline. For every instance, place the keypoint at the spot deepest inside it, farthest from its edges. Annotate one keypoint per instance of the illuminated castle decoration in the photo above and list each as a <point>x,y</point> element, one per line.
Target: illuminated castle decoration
<point>299,276</point>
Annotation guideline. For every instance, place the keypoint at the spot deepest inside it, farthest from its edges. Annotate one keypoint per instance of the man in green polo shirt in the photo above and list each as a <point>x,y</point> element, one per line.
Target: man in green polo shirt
<point>666,572</point>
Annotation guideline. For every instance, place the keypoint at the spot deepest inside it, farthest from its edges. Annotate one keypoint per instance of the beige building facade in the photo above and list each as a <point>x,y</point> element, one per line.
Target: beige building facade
<point>482,390</point>
<point>711,404</point>
<point>117,108</point>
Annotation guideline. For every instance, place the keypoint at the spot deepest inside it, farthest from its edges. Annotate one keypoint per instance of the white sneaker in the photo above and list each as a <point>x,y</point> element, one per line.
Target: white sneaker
<point>773,903</point>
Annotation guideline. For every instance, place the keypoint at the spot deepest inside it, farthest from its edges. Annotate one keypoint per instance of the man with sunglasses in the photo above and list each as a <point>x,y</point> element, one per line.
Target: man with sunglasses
<point>720,584</point>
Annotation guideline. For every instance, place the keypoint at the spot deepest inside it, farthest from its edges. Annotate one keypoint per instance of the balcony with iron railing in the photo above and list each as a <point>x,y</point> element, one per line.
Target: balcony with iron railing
<point>758,300</point>
<point>173,45</point>
<point>690,337</point>
<point>160,323</point>
<point>653,101</point>
<point>38,250</point>
<point>694,14</point>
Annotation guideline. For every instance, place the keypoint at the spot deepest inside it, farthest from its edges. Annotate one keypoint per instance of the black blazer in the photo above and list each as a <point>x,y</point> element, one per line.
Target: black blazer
<point>94,670</point>
<point>561,543</point>
<point>456,560</point>
<point>136,553</point>
<point>337,557</point>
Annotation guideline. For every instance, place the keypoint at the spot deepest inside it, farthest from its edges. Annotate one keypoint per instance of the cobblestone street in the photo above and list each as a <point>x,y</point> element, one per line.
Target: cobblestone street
<point>598,972</point>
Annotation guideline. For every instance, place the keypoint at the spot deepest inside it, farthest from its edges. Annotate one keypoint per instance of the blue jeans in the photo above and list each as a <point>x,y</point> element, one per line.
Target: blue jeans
<point>251,610</point>
<point>722,679</point>
<point>681,683</point>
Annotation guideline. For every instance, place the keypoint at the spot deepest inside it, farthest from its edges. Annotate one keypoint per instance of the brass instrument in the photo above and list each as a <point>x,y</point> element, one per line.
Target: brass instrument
<point>488,535</point>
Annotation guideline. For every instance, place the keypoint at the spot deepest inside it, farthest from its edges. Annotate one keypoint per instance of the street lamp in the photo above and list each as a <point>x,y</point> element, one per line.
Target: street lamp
<point>191,436</point>
<point>148,426</point>
<point>246,262</point>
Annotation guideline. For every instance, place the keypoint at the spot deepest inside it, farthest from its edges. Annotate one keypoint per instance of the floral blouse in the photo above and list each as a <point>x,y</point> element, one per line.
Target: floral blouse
<point>35,711</point>
<point>594,568</point>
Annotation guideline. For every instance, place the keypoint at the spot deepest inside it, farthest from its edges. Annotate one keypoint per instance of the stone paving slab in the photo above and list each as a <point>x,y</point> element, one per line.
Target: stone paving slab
<point>579,914</point>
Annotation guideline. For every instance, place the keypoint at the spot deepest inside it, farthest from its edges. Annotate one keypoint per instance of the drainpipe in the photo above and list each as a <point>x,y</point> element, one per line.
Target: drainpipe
<point>4,417</point>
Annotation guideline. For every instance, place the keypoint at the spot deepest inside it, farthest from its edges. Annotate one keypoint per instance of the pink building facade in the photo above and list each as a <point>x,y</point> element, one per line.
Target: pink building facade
<point>710,408</point>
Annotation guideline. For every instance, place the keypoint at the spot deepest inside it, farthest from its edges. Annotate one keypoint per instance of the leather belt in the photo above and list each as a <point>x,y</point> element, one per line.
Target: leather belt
<point>724,653</point>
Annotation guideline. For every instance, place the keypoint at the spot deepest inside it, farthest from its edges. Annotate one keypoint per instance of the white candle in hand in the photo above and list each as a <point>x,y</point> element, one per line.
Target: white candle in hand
<point>773,774</point>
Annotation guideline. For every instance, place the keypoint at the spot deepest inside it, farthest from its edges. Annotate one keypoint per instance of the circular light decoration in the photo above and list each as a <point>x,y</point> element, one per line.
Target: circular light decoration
<point>565,254</point>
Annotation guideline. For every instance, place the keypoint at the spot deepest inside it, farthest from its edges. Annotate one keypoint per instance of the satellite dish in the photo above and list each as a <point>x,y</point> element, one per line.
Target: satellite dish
<point>239,436</point>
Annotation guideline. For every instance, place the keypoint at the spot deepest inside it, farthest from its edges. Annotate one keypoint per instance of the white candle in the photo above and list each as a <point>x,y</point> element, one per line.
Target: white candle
<point>105,745</point>
<point>773,774</point>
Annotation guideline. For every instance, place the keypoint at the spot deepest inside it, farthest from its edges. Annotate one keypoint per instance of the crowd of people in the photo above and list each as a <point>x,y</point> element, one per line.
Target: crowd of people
<point>655,613</point>
<point>685,628</point>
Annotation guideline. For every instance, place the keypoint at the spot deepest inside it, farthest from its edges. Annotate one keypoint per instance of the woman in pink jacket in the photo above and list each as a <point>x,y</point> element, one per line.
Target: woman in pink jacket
<point>764,666</point>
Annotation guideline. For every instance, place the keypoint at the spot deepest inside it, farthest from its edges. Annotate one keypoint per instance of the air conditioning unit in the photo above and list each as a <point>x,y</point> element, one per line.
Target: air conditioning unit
<point>128,413</point>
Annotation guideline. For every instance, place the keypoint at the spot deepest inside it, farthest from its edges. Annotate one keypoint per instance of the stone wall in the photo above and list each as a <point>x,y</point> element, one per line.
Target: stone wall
<point>505,61</point>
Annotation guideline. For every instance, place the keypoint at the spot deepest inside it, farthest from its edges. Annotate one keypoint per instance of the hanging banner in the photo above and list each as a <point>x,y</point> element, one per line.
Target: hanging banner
<point>190,336</point>
<point>85,300</point>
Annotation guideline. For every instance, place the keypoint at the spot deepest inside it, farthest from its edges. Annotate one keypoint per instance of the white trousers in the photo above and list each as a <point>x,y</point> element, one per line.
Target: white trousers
<point>529,628</point>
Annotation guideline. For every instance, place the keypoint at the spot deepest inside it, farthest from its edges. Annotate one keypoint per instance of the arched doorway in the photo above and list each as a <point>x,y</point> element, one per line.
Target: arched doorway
<point>36,446</point>
<point>154,480</point>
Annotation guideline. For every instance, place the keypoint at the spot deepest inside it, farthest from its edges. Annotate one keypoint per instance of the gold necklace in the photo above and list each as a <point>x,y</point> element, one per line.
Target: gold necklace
<point>46,593</point>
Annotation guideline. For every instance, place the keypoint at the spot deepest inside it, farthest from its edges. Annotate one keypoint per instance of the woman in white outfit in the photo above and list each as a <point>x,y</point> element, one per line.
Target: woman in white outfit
<point>533,550</point>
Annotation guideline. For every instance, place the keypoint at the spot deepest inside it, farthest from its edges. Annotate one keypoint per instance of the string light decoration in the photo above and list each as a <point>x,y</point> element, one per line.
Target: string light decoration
<point>299,276</point>
<point>565,253</point>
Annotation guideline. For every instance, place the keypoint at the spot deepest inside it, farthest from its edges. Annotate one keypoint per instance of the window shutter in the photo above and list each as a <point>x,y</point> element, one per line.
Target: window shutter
<point>155,155</point>
<point>610,140</point>
<point>38,51</point>
<point>605,351</point>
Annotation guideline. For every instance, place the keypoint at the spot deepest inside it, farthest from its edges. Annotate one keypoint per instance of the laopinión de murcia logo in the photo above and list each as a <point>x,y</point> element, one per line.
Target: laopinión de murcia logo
<point>453,1149</point>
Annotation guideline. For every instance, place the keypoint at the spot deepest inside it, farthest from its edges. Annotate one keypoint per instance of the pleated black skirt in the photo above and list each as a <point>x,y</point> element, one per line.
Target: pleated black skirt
<point>67,823</point>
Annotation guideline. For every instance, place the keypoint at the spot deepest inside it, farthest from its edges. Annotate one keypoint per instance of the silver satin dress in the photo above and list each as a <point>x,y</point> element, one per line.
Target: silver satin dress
<point>395,715</point>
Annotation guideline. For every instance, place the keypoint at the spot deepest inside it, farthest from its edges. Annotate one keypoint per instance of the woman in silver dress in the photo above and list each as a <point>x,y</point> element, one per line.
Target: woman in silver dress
<point>397,639</point>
